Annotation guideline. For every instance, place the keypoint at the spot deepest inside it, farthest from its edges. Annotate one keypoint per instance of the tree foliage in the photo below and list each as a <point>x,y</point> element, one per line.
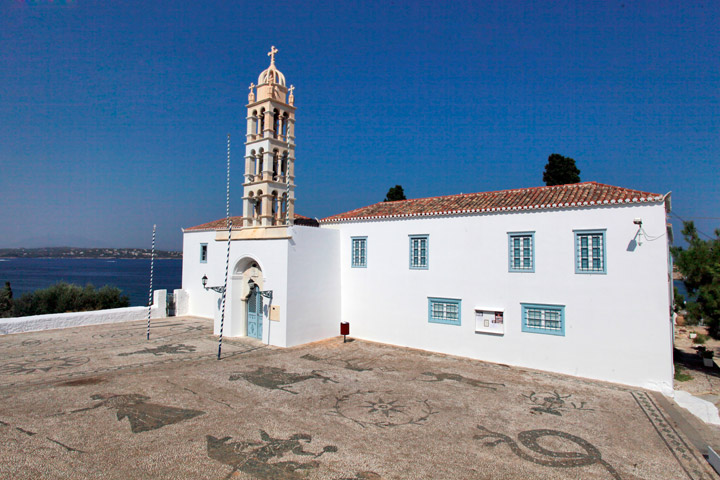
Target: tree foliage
<point>6,301</point>
<point>64,297</point>
<point>560,170</point>
<point>700,266</point>
<point>395,193</point>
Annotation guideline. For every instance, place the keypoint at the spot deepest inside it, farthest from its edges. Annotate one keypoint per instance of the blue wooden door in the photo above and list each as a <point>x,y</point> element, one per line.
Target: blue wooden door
<point>255,315</point>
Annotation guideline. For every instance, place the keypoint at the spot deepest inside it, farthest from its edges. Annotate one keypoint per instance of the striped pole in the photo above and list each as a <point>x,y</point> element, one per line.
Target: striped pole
<point>227,257</point>
<point>224,294</point>
<point>152,261</point>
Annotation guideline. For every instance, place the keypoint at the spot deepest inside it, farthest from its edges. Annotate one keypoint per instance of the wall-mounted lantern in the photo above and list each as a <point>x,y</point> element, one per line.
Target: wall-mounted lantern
<point>214,289</point>
<point>265,293</point>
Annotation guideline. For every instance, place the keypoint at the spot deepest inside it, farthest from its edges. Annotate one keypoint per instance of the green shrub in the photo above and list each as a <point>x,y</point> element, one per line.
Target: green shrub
<point>64,297</point>
<point>700,339</point>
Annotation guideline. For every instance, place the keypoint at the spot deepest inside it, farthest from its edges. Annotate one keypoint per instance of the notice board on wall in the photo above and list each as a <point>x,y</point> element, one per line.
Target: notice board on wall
<point>489,321</point>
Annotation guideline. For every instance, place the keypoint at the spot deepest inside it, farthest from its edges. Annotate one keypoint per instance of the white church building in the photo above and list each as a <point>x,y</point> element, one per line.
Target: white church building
<point>573,279</point>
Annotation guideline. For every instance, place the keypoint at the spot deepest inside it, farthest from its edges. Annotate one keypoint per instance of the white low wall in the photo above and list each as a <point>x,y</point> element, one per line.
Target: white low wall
<point>50,321</point>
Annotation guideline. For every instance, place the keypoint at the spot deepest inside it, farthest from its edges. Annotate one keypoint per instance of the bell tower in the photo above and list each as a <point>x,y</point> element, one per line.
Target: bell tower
<point>269,186</point>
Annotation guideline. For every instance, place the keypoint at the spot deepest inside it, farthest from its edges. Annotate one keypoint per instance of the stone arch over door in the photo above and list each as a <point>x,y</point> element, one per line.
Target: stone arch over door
<point>246,269</point>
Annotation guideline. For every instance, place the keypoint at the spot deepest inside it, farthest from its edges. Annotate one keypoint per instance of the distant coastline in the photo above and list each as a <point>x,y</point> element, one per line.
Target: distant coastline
<point>76,252</point>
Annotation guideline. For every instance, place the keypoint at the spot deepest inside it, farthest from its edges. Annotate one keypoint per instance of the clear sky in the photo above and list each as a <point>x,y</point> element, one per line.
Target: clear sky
<point>114,114</point>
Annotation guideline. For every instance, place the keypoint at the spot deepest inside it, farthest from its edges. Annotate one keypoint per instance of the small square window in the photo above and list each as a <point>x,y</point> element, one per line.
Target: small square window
<point>203,253</point>
<point>547,319</point>
<point>521,252</point>
<point>590,251</point>
<point>444,310</point>
<point>359,252</point>
<point>419,252</point>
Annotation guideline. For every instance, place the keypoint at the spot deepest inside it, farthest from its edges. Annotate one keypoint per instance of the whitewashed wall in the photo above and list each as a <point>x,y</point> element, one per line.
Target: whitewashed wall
<point>52,321</point>
<point>202,303</point>
<point>617,325</point>
<point>271,256</point>
<point>314,293</point>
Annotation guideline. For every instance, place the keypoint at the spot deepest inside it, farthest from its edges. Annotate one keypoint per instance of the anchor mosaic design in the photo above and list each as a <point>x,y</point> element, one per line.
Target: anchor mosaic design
<point>261,459</point>
<point>356,365</point>
<point>275,378</point>
<point>546,457</point>
<point>143,416</point>
<point>454,377</point>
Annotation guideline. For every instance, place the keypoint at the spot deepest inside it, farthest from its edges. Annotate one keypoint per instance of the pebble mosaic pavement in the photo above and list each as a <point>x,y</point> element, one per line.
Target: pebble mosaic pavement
<point>103,402</point>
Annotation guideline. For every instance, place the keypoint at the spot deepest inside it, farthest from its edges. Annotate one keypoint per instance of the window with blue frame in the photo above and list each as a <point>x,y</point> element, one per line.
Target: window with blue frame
<point>444,310</point>
<point>548,319</point>
<point>203,253</point>
<point>419,251</point>
<point>359,252</point>
<point>590,251</point>
<point>521,251</point>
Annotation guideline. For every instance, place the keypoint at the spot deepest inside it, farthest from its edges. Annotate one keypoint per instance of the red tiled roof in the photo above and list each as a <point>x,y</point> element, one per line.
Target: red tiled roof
<point>584,194</point>
<point>222,223</point>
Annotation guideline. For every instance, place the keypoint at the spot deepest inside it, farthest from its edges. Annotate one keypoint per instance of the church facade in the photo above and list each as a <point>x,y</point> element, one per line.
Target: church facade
<point>573,279</point>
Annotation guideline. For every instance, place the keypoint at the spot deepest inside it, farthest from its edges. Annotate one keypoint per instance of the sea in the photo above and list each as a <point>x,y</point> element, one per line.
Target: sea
<point>132,276</point>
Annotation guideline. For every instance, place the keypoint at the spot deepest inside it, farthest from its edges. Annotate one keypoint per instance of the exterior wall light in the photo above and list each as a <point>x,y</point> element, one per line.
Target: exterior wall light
<point>214,289</point>
<point>265,293</point>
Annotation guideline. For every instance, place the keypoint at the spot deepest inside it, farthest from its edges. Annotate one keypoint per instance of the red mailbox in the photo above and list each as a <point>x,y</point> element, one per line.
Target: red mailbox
<point>344,330</point>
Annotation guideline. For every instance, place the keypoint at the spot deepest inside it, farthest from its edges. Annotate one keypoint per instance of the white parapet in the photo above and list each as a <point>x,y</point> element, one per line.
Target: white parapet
<point>182,302</point>
<point>50,321</point>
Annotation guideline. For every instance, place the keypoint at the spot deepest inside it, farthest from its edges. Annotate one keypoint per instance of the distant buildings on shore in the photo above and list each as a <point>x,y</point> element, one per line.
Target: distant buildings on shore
<point>76,252</point>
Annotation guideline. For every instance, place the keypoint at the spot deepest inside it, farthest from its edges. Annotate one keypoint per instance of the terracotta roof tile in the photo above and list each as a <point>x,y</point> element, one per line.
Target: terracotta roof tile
<point>221,224</point>
<point>584,194</point>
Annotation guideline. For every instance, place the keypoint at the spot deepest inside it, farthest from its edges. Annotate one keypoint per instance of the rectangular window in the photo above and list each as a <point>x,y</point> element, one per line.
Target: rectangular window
<point>590,251</point>
<point>419,251</point>
<point>549,319</point>
<point>444,310</point>
<point>359,252</point>
<point>203,253</point>
<point>521,252</point>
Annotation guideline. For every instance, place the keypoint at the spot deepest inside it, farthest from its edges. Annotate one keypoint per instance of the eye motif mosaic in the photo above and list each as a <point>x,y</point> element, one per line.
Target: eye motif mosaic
<point>454,377</point>
<point>553,403</point>
<point>263,459</point>
<point>382,409</point>
<point>143,416</point>
<point>275,378</point>
<point>540,455</point>
<point>42,365</point>
<point>162,350</point>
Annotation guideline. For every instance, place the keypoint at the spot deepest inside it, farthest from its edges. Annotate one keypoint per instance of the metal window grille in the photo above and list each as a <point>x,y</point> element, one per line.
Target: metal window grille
<point>521,253</point>
<point>590,249</point>
<point>543,319</point>
<point>445,312</point>
<point>418,252</point>
<point>359,249</point>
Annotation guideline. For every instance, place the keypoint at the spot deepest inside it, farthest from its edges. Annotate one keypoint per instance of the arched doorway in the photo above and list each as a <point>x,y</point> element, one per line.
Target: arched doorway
<point>247,303</point>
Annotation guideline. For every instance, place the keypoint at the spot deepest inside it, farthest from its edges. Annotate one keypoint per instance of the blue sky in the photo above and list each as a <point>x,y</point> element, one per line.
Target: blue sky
<point>114,115</point>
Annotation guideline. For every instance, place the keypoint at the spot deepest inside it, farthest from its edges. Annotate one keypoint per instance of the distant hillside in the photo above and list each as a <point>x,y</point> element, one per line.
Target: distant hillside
<point>73,252</point>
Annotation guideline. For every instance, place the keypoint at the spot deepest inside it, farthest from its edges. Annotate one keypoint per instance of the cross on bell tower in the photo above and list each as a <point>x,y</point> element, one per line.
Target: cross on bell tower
<point>269,185</point>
